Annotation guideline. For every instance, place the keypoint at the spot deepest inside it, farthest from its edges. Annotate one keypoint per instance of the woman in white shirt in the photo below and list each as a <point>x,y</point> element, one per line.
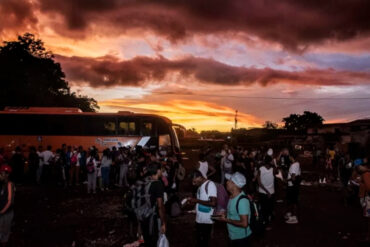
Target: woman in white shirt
<point>106,162</point>
<point>91,166</point>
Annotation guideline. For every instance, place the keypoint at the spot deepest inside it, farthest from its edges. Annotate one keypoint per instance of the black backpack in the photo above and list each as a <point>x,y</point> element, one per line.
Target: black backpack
<point>255,222</point>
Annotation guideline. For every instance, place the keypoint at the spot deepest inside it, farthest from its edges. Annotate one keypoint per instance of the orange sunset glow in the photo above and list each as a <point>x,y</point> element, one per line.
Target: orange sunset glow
<point>198,65</point>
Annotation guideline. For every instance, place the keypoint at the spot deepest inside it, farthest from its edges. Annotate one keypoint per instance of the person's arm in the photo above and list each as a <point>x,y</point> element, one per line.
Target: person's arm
<point>243,222</point>
<point>211,203</point>
<point>162,214</point>
<point>10,198</point>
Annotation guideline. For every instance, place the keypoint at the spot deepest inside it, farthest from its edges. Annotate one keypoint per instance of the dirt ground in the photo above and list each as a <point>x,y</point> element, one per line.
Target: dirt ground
<point>69,217</point>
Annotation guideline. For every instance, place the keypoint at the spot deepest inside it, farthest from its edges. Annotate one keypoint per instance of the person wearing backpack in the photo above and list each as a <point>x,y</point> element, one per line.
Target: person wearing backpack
<point>149,208</point>
<point>238,211</point>
<point>205,203</point>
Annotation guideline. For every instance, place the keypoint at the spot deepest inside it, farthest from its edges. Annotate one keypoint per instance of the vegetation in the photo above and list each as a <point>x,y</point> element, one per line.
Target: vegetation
<point>300,123</point>
<point>29,76</point>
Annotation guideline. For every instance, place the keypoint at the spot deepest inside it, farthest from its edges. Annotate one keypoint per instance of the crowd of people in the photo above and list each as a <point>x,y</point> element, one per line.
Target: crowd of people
<point>234,185</point>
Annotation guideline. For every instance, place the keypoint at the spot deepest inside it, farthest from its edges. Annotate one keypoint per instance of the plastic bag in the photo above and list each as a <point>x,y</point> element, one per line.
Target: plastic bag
<point>162,241</point>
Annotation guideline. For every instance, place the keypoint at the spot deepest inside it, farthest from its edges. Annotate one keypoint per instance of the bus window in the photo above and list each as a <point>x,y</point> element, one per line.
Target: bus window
<point>147,128</point>
<point>164,140</point>
<point>126,128</point>
<point>100,126</point>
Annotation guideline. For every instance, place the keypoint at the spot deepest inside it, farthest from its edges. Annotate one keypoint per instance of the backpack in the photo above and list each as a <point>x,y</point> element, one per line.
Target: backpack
<point>222,197</point>
<point>74,159</point>
<point>181,172</point>
<point>90,166</point>
<point>140,201</point>
<point>255,222</point>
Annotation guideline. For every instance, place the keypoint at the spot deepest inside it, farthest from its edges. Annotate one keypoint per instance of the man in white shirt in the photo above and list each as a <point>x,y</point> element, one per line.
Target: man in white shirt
<point>205,203</point>
<point>294,180</point>
<point>46,156</point>
<point>266,189</point>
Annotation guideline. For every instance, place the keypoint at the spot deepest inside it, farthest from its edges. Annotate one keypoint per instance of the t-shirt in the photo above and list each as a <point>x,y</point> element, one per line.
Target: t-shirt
<point>203,168</point>
<point>106,162</point>
<point>156,191</point>
<point>236,232</point>
<point>295,168</point>
<point>267,179</point>
<point>204,212</point>
<point>47,155</point>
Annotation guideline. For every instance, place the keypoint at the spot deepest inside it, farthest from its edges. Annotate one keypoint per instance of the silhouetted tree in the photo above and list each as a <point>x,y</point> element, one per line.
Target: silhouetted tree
<point>300,123</point>
<point>270,125</point>
<point>29,76</point>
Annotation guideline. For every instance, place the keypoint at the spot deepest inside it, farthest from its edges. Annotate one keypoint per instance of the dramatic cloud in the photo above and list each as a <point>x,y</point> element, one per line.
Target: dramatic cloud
<point>109,71</point>
<point>294,24</point>
<point>16,14</point>
<point>191,113</point>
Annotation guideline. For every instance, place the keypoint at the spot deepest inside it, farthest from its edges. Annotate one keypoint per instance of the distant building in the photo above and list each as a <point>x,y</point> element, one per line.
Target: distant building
<point>352,136</point>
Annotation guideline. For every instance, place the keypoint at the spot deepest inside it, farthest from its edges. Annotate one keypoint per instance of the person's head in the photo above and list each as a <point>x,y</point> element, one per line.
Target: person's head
<point>49,147</point>
<point>198,178</point>
<point>18,149</point>
<point>202,157</point>
<point>268,161</point>
<point>154,170</point>
<point>235,182</point>
<point>40,148</point>
<point>5,171</point>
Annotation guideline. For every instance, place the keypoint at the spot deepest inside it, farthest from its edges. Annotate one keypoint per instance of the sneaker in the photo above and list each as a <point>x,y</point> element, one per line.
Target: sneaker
<point>320,181</point>
<point>324,181</point>
<point>292,220</point>
<point>287,215</point>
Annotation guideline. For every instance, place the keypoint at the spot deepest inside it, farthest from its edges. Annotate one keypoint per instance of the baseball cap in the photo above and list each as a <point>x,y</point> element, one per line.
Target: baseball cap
<point>237,178</point>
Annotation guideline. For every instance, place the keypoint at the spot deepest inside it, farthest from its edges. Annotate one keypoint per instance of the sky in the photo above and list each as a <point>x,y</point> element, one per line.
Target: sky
<point>198,61</point>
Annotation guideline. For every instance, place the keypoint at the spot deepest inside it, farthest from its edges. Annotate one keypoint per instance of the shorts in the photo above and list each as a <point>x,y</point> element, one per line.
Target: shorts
<point>5,226</point>
<point>292,194</point>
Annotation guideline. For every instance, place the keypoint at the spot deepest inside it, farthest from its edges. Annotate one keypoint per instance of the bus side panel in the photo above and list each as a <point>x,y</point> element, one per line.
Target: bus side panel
<point>9,142</point>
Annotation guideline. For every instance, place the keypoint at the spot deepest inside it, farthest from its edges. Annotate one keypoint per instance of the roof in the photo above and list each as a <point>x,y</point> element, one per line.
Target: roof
<point>73,111</point>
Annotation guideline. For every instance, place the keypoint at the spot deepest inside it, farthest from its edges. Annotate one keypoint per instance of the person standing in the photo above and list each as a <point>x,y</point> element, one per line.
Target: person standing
<point>294,180</point>
<point>156,222</point>
<point>74,168</point>
<point>238,211</point>
<point>106,163</point>
<point>6,203</point>
<point>266,190</point>
<point>33,164</point>
<point>17,163</point>
<point>47,158</point>
<point>205,202</point>
<point>123,170</point>
<point>91,167</point>
<point>41,163</point>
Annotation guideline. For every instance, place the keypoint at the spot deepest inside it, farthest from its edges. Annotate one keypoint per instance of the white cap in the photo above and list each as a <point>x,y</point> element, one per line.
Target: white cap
<point>237,178</point>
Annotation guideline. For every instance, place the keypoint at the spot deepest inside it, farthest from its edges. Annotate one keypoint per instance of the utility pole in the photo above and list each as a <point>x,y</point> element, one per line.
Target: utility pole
<point>236,119</point>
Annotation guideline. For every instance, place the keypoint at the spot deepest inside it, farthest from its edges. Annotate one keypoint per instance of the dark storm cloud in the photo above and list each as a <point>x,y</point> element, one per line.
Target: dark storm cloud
<point>109,71</point>
<point>294,24</point>
<point>16,14</point>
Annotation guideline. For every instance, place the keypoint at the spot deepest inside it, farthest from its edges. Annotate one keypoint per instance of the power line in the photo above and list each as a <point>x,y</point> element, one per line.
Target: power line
<point>266,97</point>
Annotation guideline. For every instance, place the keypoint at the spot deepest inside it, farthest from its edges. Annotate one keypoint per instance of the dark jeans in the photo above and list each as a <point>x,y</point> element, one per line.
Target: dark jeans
<point>244,242</point>
<point>267,207</point>
<point>203,234</point>
<point>150,239</point>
